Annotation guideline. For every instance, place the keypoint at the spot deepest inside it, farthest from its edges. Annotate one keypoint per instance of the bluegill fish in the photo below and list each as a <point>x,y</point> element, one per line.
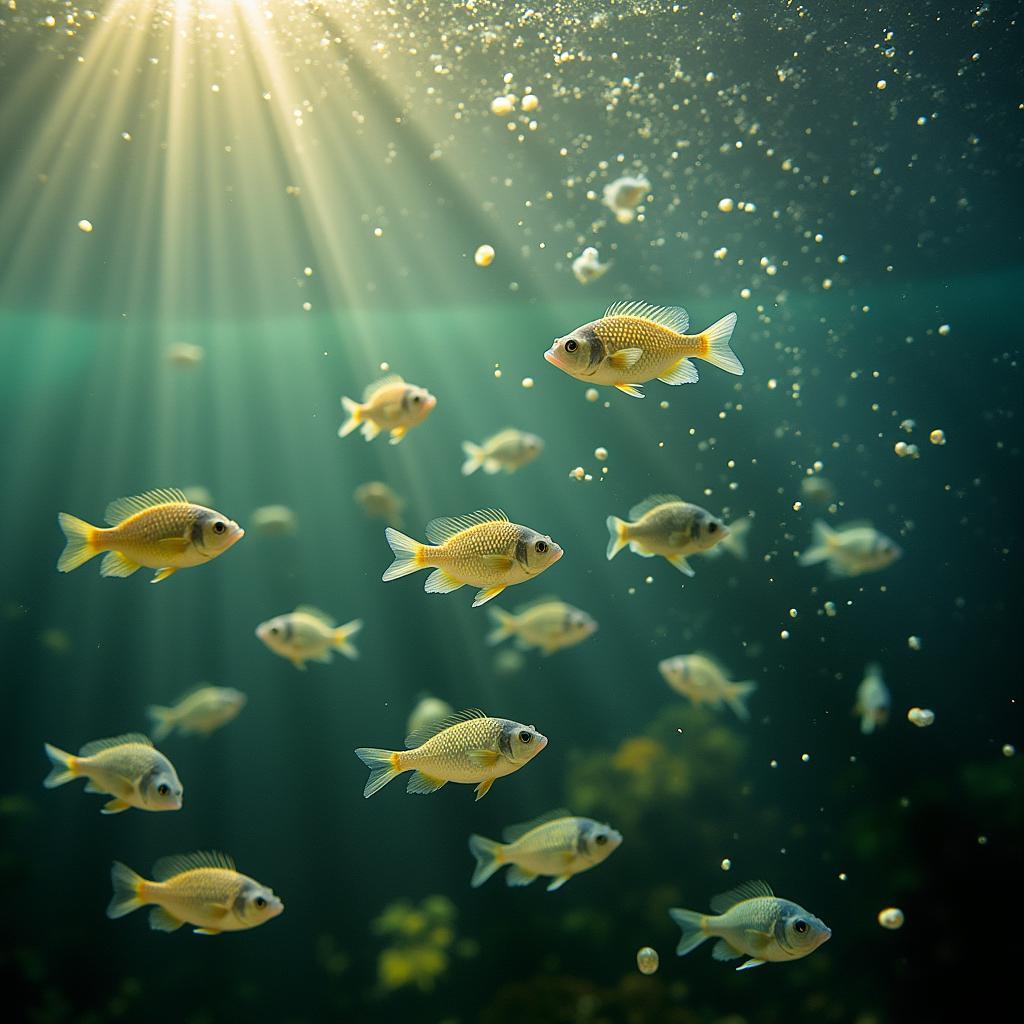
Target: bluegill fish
<point>159,529</point>
<point>872,700</point>
<point>308,634</point>
<point>850,550</point>
<point>507,450</point>
<point>389,404</point>
<point>665,525</point>
<point>469,747</point>
<point>556,845</point>
<point>201,889</point>
<point>128,768</point>
<point>704,681</point>
<point>202,711</point>
<point>548,624</point>
<point>483,550</point>
<point>752,921</point>
<point>634,343</point>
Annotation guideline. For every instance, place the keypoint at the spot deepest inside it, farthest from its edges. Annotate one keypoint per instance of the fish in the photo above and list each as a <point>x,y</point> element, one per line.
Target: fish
<point>872,700</point>
<point>201,711</point>
<point>818,489</point>
<point>482,549</point>
<point>388,404</point>
<point>308,634</point>
<point>556,845</point>
<point>274,521</point>
<point>202,889</point>
<point>623,195</point>
<point>507,450</point>
<point>547,623</point>
<point>664,524</point>
<point>380,501</point>
<point>587,267</point>
<point>468,747</point>
<point>427,712</point>
<point>752,921</point>
<point>160,530</point>
<point>635,342</point>
<point>128,768</point>
<point>704,681</point>
<point>850,550</point>
<point>183,354</point>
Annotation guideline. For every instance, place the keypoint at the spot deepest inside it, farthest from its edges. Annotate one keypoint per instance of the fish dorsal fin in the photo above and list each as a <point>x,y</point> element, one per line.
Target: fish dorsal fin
<point>420,736</point>
<point>514,832</point>
<point>371,389</point>
<point>645,506</point>
<point>308,609</point>
<point>168,867</point>
<point>445,527</point>
<point>121,509</point>
<point>675,318</point>
<point>744,891</point>
<point>114,741</point>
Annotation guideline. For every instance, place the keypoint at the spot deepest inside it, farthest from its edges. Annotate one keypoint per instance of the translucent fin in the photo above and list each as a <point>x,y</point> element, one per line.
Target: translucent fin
<point>439,582</point>
<point>127,886</point>
<point>355,416</point>
<point>407,554</point>
<point>162,921</point>
<point>124,508</point>
<point>505,624</point>
<point>382,768</point>
<point>308,609</point>
<point>723,951</point>
<point>162,719</point>
<point>633,390</point>
<point>625,358</point>
<point>482,790</point>
<point>749,964</point>
<point>617,529</point>
<point>638,549</point>
<point>178,863</point>
<point>684,372</point>
<point>821,544</point>
<point>557,883</point>
<point>475,458</point>
<point>719,352</point>
<point>488,859</point>
<point>445,527</point>
<point>641,508</point>
<point>482,758</point>
<point>736,697</point>
<point>498,563</point>
<point>397,434</point>
<point>206,931</point>
<point>95,746</point>
<point>369,430</point>
<point>420,782</point>
<point>79,547</point>
<point>165,573</point>
<point>342,638</point>
<point>420,736</point>
<point>514,832</point>
<point>91,787</point>
<point>682,565</point>
<point>744,891</point>
<point>675,318</point>
<point>116,564</point>
<point>487,594</point>
<point>371,389</point>
<point>692,925</point>
<point>757,939</point>
<point>62,771</point>
<point>115,806</point>
<point>519,876</point>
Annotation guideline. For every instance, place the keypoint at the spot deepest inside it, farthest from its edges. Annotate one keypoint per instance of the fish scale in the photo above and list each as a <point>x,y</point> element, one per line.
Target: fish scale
<point>466,552</point>
<point>662,348</point>
<point>446,754</point>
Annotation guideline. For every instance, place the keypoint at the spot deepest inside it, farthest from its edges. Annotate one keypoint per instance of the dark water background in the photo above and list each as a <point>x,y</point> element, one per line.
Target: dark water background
<point>928,820</point>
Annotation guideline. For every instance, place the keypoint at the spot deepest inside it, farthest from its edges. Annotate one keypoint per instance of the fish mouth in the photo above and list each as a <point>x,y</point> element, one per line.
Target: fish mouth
<point>430,401</point>
<point>553,359</point>
<point>542,742</point>
<point>556,554</point>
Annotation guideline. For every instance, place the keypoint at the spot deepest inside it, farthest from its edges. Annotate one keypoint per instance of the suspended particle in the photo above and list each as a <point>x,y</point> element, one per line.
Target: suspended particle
<point>384,367</point>
<point>529,102</point>
<point>126,136</point>
<point>85,226</point>
<point>921,717</point>
<point>502,106</point>
<point>591,394</point>
<point>378,232</point>
<point>806,758</point>
<point>647,960</point>
<point>880,85</point>
<point>600,454</point>
<point>944,329</point>
<point>578,473</point>
<point>726,205</point>
<point>308,271</point>
<point>527,383</point>
<point>307,306</point>
<point>891,918</point>
<point>937,436</point>
<point>1009,750</point>
<point>484,255</point>
<point>915,643</point>
<point>726,864</point>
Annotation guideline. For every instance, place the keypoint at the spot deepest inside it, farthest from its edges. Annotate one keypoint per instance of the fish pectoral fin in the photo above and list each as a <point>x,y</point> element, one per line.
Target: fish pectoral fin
<point>481,790</point>
<point>749,963</point>
<point>369,430</point>
<point>219,909</point>
<point>162,921</point>
<point>482,758</point>
<point>206,931</point>
<point>633,390</point>
<point>519,876</point>
<point>680,562</point>
<point>116,564</point>
<point>175,545</point>
<point>625,358</point>
<point>299,663</point>
<point>325,657</point>
<point>684,372</point>
<point>397,434</point>
<point>440,582</point>
<point>498,563</point>
<point>421,782</point>
<point>485,595</point>
<point>637,549</point>
<point>757,939</point>
<point>114,806</point>
<point>167,570</point>
<point>91,787</point>
<point>557,883</point>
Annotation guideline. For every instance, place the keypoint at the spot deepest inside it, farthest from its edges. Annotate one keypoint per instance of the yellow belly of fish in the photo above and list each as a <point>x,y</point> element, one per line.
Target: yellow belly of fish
<point>153,538</point>
<point>662,349</point>
<point>452,768</point>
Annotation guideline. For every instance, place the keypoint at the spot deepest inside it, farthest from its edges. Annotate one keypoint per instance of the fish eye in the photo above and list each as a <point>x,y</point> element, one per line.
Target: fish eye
<point>219,527</point>
<point>571,345</point>
<point>415,398</point>
<point>163,789</point>
<point>601,839</point>
<point>712,527</point>
<point>260,902</point>
<point>541,546</point>
<point>274,631</point>
<point>800,926</point>
<point>525,737</point>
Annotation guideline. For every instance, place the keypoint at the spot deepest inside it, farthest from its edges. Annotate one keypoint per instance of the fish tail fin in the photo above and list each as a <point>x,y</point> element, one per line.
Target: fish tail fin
<point>475,458</point>
<point>162,719</point>
<point>127,890</point>
<point>736,697</point>
<point>719,351</point>
<point>355,416</point>
<point>63,767</point>
<point>488,858</point>
<point>383,767</point>
<point>617,540</point>
<point>504,625</point>
<point>343,636</point>
<point>80,545</point>
<point>692,925</point>
<point>407,554</point>
<point>821,544</point>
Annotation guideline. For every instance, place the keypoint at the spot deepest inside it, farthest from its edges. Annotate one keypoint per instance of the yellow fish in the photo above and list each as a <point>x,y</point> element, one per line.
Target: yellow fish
<point>548,623</point>
<point>507,450</point>
<point>161,530</point>
<point>850,550</point>
<point>468,747</point>
<point>556,844</point>
<point>704,681</point>
<point>202,711</point>
<point>308,634</point>
<point>634,343</point>
<point>666,525</point>
<point>127,767</point>
<point>202,889</point>
<point>482,549</point>
<point>388,404</point>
